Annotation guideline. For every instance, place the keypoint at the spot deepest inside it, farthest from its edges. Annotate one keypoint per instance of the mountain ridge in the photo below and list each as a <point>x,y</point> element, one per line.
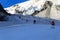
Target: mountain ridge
<point>28,8</point>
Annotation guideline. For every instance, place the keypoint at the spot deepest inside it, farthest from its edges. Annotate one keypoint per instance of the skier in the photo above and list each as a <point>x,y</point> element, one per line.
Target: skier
<point>34,21</point>
<point>53,24</point>
<point>26,20</point>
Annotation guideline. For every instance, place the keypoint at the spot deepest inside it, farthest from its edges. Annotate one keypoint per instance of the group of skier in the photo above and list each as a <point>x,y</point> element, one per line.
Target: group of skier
<point>35,22</point>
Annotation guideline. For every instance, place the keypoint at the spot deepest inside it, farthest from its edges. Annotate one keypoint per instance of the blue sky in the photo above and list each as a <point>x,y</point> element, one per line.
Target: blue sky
<point>7,3</point>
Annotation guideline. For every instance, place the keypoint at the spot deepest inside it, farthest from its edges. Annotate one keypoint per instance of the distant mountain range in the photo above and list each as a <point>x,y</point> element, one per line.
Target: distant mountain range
<point>25,6</point>
<point>34,8</point>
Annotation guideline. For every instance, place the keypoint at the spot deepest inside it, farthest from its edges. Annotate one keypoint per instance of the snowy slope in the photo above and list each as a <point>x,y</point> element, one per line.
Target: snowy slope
<point>18,28</point>
<point>20,19</point>
<point>29,32</point>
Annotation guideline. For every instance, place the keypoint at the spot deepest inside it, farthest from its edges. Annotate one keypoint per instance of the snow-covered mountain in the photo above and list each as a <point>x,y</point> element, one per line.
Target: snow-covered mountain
<point>30,7</point>
<point>23,6</point>
<point>22,19</point>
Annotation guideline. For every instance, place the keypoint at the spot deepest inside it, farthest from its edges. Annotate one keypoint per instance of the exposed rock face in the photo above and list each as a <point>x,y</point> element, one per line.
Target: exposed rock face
<point>47,6</point>
<point>39,8</point>
<point>3,13</point>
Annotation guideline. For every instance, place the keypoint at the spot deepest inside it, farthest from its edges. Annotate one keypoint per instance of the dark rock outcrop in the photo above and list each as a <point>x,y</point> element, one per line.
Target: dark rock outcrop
<point>45,6</point>
<point>3,13</point>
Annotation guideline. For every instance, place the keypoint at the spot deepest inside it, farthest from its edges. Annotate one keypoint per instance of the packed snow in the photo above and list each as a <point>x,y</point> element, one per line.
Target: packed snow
<point>30,32</point>
<point>17,28</point>
<point>23,27</point>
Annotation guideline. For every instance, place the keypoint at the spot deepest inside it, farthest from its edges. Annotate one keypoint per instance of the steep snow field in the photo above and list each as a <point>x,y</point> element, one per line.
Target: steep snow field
<point>30,32</point>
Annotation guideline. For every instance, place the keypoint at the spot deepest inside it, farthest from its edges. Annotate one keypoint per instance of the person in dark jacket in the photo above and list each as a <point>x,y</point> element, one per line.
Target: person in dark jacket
<point>34,21</point>
<point>26,20</point>
<point>53,24</point>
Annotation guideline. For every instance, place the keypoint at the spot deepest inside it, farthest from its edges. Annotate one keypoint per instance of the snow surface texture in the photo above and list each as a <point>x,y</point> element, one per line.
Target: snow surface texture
<point>18,28</point>
<point>29,32</point>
